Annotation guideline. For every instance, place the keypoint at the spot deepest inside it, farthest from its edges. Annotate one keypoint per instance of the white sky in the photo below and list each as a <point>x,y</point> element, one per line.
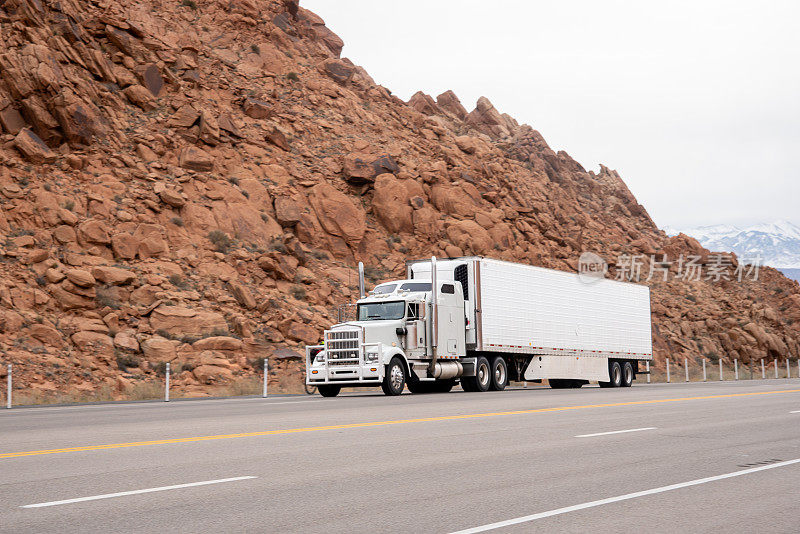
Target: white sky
<point>695,103</point>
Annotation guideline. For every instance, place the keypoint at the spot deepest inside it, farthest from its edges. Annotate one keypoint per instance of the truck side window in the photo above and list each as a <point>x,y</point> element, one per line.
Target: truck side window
<point>460,274</point>
<point>450,289</point>
<point>413,311</point>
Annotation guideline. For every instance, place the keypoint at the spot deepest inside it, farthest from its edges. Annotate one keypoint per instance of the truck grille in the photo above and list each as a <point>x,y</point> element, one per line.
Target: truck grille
<point>342,347</point>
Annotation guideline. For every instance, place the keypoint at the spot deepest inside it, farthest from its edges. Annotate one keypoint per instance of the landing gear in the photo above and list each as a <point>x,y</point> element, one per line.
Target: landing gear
<point>482,379</point>
<point>395,379</point>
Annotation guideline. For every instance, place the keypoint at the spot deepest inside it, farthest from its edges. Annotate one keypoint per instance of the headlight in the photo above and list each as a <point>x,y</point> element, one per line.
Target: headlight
<point>371,357</point>
<point>319,358</point>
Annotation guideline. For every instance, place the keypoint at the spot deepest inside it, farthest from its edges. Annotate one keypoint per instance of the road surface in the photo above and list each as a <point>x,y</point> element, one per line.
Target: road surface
<point>700,457</point>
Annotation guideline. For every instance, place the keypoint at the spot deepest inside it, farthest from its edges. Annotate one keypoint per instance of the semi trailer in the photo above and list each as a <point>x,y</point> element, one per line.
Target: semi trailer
<point>485,322</point>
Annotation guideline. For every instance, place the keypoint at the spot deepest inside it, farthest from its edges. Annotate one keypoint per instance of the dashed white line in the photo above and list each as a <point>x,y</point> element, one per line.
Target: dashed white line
<point>796,411</point>
<point>135,492</point>
<point>626,497</point>
<point>615,432</point>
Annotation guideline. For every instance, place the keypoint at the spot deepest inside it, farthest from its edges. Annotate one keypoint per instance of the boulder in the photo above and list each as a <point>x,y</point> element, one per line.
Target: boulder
<point>172,197</point>
<point>141,97</point>
<point>337,214</point>
<point>115,276</point>
<point>449,102</point>
<point>242,295</point>
<point>224,343</point>
<point>33,148</point>
<point>485,118</point>
<point>126,341</point>
<point>181,321</point>
<point>125,246</point>
<point>80,277</point>
<point>93,342</point>
<point>257,109</point>
<point>303,332</point>
<point>469,235</point>
<point>195,159</point>
<point>211,374</point>
<point>94,231</point>
<point>423,103</point>
<point>390,204</point>
<point>341,71</point>
<point>159,349</point>
<point>277,138</point>
<point>287,212</point>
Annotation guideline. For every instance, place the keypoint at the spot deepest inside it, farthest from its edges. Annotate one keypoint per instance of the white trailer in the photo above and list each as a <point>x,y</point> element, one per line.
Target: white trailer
<point>516,322</point>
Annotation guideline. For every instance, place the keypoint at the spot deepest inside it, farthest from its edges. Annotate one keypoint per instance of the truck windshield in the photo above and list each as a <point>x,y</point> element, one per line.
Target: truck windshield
<point>381,311</point>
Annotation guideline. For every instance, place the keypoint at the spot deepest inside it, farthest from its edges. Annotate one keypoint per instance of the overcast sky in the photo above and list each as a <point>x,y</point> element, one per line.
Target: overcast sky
<point>695,103</point>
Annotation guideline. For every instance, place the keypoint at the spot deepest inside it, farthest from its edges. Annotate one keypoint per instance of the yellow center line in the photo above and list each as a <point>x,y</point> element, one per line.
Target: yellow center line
<point>377,423</point>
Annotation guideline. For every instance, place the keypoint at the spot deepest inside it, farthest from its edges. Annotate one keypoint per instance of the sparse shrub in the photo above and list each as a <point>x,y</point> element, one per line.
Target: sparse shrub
<point>278,246</point>
<point>265,217</point>
<point>126,360</point>
<point>220,240</point>
<point>41,281</point>
<point>293,77</point>
<point>372,274</point>
<point>177,281</point>
<point>69,204</point>
<point>299,292</point>
<point>107,297</point>
<point>234,180</point>
<point>254,47</point>
<point>163,333</point>
<point>189,3</point>
<point>48,187</point>
<point>319,255</point>
<point>177,221</point>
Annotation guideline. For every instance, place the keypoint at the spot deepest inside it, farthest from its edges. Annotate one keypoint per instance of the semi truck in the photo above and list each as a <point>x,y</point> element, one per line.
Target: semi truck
<point>484,322</point>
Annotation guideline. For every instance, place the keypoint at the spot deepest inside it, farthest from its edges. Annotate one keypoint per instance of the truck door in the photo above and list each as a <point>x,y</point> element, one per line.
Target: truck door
<point>465,273</point>
<point>451,331</point>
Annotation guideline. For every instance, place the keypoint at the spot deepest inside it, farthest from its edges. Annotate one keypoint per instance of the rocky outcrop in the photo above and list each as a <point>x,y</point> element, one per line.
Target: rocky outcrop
<point>196,187</point>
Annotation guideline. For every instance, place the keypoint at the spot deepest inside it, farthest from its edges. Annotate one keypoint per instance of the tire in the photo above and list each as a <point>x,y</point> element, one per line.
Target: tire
<point>627,375</point>
<point>395,379</point>
<point>499,374</point>
<point>557,383</point>
<point>615,375</point>
<point>328,390</point>
<point>482,379</point>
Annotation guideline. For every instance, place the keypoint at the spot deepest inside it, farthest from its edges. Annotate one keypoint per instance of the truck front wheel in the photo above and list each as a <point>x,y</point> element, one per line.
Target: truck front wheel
<point>329,391</point>
<point>395,379</point>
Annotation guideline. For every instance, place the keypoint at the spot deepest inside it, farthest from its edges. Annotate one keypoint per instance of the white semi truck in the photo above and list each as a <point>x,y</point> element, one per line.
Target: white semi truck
<point>484,322</point>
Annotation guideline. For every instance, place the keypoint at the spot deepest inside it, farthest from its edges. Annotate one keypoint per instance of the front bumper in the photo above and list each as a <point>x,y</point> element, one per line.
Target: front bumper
<point>358,373</point>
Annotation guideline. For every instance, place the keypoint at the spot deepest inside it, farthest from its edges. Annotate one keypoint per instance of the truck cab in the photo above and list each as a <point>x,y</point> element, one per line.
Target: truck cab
<point>405,332</point>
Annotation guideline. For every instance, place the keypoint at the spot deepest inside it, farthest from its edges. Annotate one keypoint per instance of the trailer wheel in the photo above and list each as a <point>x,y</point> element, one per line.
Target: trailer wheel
<point>329,391</point>
<point>482,379</point>
<point>615,374</point>
<point>499,374</point>
<point>395,379</point>
<point>627,375</point>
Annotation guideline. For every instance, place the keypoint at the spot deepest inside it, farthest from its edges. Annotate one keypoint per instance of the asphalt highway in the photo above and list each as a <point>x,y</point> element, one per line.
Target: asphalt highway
<point>699,457</point>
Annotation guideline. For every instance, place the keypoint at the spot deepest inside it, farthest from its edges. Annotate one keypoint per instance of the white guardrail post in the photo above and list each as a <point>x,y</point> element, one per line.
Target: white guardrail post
<point>704,370</point>
<point>8,385</point>
<point>798,367</point>
<point>686,368</point>
<point>647,365</point>
<point>166,383</point>
<point>736,369</point>
<point>667,370</point>
<point>775,361</point>
<point>788,368</point>
<point>763,371</point>
<point>720,369</point>
<point>266,375</point>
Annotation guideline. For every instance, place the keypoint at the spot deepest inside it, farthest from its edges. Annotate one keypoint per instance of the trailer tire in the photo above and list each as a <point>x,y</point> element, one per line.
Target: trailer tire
<point>395,379</point>
<point>328,390</point>
<point>482,379</point>
<point>614,374</point>
<point>627,375</point>
<point>499,374</point>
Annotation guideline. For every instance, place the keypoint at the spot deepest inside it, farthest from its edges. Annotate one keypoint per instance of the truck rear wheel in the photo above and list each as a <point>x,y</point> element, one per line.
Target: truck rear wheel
<point>482,379</point>
<point>395,379</point>
<point>627,375</point>
<point>499,374</point>
<point>328,390</point>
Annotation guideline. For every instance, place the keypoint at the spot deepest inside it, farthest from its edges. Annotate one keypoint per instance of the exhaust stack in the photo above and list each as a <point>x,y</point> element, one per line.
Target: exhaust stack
<point>434,314</point>
<point>361,292</point>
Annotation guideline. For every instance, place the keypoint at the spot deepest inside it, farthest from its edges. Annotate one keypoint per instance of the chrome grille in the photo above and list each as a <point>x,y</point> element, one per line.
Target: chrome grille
<point>342,345</point>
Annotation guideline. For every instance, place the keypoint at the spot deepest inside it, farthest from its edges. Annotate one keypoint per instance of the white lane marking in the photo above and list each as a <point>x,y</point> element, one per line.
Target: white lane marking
<point>135,492</point>
<point>615,432</point>
<point>625,497</point>
<point>796,411</point>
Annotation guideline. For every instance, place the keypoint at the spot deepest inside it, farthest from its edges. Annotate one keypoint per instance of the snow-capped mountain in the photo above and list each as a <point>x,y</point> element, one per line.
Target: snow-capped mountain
<point>777,244</point>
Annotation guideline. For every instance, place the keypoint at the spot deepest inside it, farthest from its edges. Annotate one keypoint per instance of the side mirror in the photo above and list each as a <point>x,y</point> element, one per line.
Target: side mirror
<point>401,330</point>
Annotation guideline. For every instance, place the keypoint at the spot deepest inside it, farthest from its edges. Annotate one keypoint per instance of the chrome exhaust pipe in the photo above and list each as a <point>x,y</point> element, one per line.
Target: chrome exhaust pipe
<point>361,292</point>
<point>434,316</point>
